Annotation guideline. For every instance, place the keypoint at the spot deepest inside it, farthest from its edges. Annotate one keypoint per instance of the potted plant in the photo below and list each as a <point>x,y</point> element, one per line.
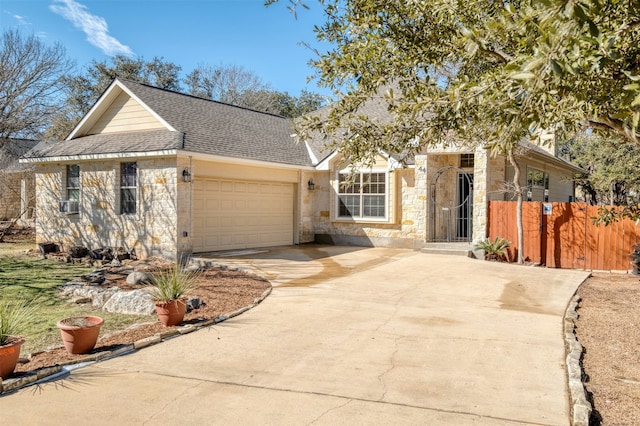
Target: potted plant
<point>13,317</point>
<point>168,288</point>
<point>80,334</point>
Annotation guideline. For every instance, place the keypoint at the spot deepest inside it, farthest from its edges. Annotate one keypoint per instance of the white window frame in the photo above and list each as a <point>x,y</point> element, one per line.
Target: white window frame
<point>360,177</point>
<point>69,184</point>
<point>69,203</point>
<point>125,186</point>
<point>534,190</point>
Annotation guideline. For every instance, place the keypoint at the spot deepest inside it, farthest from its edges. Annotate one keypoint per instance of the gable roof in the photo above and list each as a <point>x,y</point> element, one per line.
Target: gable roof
<point>191,124</point>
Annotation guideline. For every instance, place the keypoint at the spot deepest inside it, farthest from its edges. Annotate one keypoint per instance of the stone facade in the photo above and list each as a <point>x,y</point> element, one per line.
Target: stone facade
<point>405,225</point>
<point>17,200</point>
<point>151,231</point>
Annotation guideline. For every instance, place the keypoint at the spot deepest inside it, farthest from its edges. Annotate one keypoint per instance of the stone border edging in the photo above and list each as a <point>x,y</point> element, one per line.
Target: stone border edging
<point>580,405</point>
<point>46,373</point>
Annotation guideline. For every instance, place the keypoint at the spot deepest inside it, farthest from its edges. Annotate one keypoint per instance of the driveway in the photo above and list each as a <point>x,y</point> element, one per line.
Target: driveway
<point>348,336</point>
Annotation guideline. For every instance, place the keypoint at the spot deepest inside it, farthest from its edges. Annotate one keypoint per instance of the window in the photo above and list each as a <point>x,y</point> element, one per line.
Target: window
<point>128,187</point>
<point>537,185</point>
<point>70,204</point>
<point>466,161</point>
<point>362,196</point>
<point>73,182</point>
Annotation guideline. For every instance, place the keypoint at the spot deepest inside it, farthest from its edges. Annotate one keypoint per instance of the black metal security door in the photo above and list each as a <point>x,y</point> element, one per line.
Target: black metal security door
<point>451,205</point>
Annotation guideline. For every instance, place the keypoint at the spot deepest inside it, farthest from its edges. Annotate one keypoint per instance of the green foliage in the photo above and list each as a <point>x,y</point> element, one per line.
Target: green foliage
<point>29,278</point>
<point>14,317</point>
<point>494,250</point>
<point>609,215</point>
<point>612,175</point>
<point>173,283</point>
<point>485,72</point>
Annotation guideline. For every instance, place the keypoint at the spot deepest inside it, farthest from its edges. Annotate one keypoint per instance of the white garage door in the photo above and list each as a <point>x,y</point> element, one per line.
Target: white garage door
<point>236,214</point>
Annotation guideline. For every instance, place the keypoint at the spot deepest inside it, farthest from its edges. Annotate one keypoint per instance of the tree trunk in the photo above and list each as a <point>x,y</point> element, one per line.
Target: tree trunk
<point>518,190</point>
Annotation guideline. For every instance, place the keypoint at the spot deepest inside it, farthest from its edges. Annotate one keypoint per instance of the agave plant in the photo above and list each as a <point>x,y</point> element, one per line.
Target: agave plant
<point>494,250</point>
<point>173,283</point>
<point>13,316</point>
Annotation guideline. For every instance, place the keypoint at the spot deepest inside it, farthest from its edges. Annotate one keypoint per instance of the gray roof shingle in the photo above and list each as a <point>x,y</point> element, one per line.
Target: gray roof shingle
<point>11,150</point>
<point>201,125</point>
<point>215,128</point>
<point>110,143</point>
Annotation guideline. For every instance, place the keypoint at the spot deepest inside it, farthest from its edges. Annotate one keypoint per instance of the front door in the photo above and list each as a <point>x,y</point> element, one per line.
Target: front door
<point>464,213</point>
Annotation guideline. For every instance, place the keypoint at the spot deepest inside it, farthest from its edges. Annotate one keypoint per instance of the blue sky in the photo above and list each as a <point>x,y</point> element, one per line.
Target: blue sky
<point>263,40</point>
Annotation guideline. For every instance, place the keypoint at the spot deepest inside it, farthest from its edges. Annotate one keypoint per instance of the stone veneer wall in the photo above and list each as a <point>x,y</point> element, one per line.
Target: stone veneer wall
<point>407,201</point>
<point>11,203</point>
<point>151,231</point>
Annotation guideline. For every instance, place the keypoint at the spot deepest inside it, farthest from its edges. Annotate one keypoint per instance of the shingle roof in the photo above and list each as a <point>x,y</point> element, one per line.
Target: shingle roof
<point>375,109</point>
<point>110,143</point>
<point>201,125</point>
<point>11,150</point>
<point>215,128</point>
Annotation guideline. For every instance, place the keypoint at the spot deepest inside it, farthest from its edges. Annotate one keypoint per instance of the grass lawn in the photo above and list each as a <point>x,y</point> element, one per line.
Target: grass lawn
<point>34,279</point>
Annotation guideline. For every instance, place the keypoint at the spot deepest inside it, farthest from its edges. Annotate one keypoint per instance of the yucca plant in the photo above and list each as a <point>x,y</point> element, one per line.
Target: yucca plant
<point>13,316</point>
<point>173,283</point>
<point>494,250</point>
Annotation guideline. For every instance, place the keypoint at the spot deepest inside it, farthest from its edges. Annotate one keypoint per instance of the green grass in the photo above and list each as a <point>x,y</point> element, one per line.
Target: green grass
<point>25,277</point>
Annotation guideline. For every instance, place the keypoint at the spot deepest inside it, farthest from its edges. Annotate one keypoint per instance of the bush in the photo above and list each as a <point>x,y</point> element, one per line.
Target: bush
<point>497,250</point>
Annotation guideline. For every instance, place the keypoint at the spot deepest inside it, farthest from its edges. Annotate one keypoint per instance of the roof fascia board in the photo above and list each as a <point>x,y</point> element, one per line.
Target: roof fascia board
<point>242,161</point>
<point>556,162</point>
<point>324,164</point>
<point>314,159</point>
<point>94,157</point>
<point>107,97</point>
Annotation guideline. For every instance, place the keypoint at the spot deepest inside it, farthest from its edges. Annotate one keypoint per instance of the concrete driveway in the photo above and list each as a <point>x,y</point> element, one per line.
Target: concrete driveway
<point>348,336</point>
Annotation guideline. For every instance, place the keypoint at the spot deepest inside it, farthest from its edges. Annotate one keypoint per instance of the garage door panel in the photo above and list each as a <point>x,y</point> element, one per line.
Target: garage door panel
<point>237,214</point>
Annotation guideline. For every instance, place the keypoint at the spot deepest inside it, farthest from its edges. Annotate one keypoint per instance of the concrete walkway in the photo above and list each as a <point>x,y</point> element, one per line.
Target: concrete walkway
<point>348,336</point>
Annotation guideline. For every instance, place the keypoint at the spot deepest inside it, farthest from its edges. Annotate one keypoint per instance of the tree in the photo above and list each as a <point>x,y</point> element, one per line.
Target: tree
<point>281,103</point>
<point>236,86</point>
<point>223,83</point>
<point>489,72</point>
<point>83,90</point>
<point>611,168</point>
<point>30,81</point>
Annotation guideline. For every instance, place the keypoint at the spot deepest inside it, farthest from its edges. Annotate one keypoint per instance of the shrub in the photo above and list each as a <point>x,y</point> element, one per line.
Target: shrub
<point>494,250</point>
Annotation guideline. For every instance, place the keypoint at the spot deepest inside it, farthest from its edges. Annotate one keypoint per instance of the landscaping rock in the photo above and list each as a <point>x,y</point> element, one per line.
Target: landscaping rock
<point>139,277</point>
<point>193,302</point>
<point>94,277</point>
<point>135,302</point>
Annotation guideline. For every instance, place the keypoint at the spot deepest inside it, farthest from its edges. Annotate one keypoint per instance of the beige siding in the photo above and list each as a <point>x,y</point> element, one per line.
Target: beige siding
<point>124,115</point>
<point>561,186</point>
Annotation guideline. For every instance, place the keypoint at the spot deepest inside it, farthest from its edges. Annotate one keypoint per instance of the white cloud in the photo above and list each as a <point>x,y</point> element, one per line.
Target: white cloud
<point>95,27</point>
<point>20,19</point>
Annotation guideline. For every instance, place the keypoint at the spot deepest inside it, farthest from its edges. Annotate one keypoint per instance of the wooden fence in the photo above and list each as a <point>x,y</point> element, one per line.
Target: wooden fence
<point>563,235</point>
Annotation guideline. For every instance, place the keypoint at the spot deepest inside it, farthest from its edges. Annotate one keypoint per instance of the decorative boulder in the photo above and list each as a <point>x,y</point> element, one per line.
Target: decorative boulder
<point>136,302</point>
<point>139,277</point>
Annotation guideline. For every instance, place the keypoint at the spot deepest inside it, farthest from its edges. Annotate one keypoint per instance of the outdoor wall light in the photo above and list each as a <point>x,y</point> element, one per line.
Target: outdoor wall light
<point>186,175</point>
<point>311,185</point>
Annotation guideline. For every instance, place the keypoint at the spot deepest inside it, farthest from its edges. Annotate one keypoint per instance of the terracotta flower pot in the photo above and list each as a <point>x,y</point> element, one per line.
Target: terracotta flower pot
<point>80,334</point>
<point>172,312</point>
<point>9,354</point>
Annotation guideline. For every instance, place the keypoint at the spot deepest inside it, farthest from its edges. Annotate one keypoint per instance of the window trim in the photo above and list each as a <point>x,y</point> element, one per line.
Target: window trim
<point>543,189</point>
<point>467,160</point>
<point>123,187</point>
<point>68,183</point>
<point>362,219</point>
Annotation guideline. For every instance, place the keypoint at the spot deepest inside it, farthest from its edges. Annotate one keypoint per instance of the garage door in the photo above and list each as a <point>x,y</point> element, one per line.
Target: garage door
<point>237,214</point>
